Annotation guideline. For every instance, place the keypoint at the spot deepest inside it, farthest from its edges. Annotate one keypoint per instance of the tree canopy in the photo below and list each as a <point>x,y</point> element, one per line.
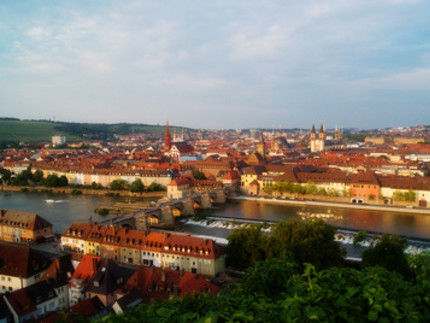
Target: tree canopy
<point>337,294</point>
<point>307,241</point>
<point>137,186</point>
<point>389,252</point>
<point>118,185</point>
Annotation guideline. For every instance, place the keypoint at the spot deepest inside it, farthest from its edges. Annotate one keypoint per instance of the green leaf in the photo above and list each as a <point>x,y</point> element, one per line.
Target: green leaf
<point>164,312</point>
<point>372,316</point>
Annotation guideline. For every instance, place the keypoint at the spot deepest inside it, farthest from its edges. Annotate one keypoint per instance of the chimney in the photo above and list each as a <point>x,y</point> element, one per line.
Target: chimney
<point>176,290</point>
<point>163,275</point>
<point>94,264</point>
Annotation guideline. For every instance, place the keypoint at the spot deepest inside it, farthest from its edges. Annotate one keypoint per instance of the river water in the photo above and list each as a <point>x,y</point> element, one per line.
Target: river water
<point>62,210</point>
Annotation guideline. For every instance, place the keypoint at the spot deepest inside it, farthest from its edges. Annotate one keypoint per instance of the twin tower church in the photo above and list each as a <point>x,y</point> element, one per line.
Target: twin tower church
<point>319,142</point>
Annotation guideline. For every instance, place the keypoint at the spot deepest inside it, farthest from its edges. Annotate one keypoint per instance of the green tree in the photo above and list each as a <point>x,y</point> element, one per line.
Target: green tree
<point>63,181</point>
<point>96,186</point>
<point>398,196</point>
<point>269,277</point>
<point>360,237</point>
<point>246,245</point>
<point>198,175</point>
<point>137,186</point>
<point>154,187</point>
<point>309,242</point>
<point>5,174</point>
<point>38,176</point>
<point>389,252</point>
<point>52,181</point>
<point>118,185</point>
<point>410,196</point>
<point>311,188</point>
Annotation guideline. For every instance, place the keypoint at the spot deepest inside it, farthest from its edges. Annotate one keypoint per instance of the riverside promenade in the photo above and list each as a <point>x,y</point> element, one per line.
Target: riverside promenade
<point>369,207</point>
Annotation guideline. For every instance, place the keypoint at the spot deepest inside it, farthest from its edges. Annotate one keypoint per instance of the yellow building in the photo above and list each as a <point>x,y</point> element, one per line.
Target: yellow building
<point>22,227</point>
<point>180,252</point>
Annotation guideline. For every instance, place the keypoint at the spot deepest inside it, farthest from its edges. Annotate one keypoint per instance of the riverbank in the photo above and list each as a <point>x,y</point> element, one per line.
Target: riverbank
<point>305,203</point>
<point>83,191</point>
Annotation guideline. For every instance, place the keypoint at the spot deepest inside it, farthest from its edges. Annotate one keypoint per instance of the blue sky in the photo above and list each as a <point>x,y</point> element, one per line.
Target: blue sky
<point>217,64</point>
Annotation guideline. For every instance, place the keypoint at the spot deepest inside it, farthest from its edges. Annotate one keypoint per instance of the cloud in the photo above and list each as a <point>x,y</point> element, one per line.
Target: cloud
<point>249,43</point>
<point>265,61</point>
<point>38,33</point>
<point>408,81</point>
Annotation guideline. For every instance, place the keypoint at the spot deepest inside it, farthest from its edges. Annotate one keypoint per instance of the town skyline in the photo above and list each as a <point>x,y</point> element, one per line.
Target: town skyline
<point>278,127</point>
<point>239,65</point>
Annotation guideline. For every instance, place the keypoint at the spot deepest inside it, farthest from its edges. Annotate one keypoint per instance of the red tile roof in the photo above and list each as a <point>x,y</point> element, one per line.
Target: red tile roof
<point>21,261</point>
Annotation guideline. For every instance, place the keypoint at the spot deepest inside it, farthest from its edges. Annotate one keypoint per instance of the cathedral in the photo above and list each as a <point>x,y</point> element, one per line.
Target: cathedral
<point>318,144</point>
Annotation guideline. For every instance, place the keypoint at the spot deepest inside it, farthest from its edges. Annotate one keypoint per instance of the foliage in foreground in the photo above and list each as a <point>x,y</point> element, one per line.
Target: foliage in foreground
<point>331,295</point>
<point>307,241</point>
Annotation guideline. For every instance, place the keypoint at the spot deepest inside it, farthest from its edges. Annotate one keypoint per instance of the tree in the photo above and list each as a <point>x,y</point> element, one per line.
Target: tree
<point>389,253</point>
<point>38,176</point>
<point>310,242</point>
<point>154,187</point>
<point>118,185</point>
<point>269,277</point>
<point>311,188</point>
<point>52,181</point>
<point>246,245</point>
<point>359,238</point>
<point>5,174</point>
<point>198,175</point>
<point>410,196</point>
<point>96,186</point>
<point>137,186</point>
<point>63,181</point>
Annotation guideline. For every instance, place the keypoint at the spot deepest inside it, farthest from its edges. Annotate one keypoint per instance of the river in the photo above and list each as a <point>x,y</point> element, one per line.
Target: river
<point>62,210</point>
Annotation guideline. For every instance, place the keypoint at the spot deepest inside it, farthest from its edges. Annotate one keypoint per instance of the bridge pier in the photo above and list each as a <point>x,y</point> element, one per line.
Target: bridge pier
<point>166,217</point>
<point>205,201</point>
<point>141,222</point>
<point>219,196</point>
<point>187,207</point>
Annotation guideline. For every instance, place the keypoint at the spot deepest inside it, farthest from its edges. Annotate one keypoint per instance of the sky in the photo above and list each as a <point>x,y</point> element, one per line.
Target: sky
<point>219,64</point>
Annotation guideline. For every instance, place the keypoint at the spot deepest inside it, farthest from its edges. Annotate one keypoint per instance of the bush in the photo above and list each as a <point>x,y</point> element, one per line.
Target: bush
<point>389,252</point>
<point>76,192</point>
<point>359,238</point>
<point>199,216</point>
<point>102,211</point>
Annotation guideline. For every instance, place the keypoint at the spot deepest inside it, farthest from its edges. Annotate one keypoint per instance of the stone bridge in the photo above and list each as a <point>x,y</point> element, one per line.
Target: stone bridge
<point>164,214</point>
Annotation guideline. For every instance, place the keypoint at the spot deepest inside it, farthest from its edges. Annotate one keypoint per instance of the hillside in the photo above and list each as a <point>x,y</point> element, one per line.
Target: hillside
<point>29,131</point>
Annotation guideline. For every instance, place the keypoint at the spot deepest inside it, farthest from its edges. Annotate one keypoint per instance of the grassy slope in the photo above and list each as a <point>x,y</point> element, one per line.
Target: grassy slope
<point>37,131</point>
<point>28,131</point>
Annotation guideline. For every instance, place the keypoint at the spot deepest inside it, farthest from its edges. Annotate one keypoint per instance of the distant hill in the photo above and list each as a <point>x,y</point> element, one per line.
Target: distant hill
<point>30,131</point>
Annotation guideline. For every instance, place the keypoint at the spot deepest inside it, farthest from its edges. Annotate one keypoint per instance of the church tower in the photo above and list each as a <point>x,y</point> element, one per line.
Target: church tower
<point>337,134</point>
<point>321,138</point>
<point>322,135</point>
<point>313,139</point>
<point>261,147</point>
<point>167,139</point>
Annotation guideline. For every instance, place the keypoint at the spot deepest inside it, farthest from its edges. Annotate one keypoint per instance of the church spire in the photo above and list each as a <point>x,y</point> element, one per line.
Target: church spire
<point>167,138</point>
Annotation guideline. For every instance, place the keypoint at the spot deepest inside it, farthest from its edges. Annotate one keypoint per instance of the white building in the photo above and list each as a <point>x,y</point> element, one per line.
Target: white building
<point>58,140</point>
